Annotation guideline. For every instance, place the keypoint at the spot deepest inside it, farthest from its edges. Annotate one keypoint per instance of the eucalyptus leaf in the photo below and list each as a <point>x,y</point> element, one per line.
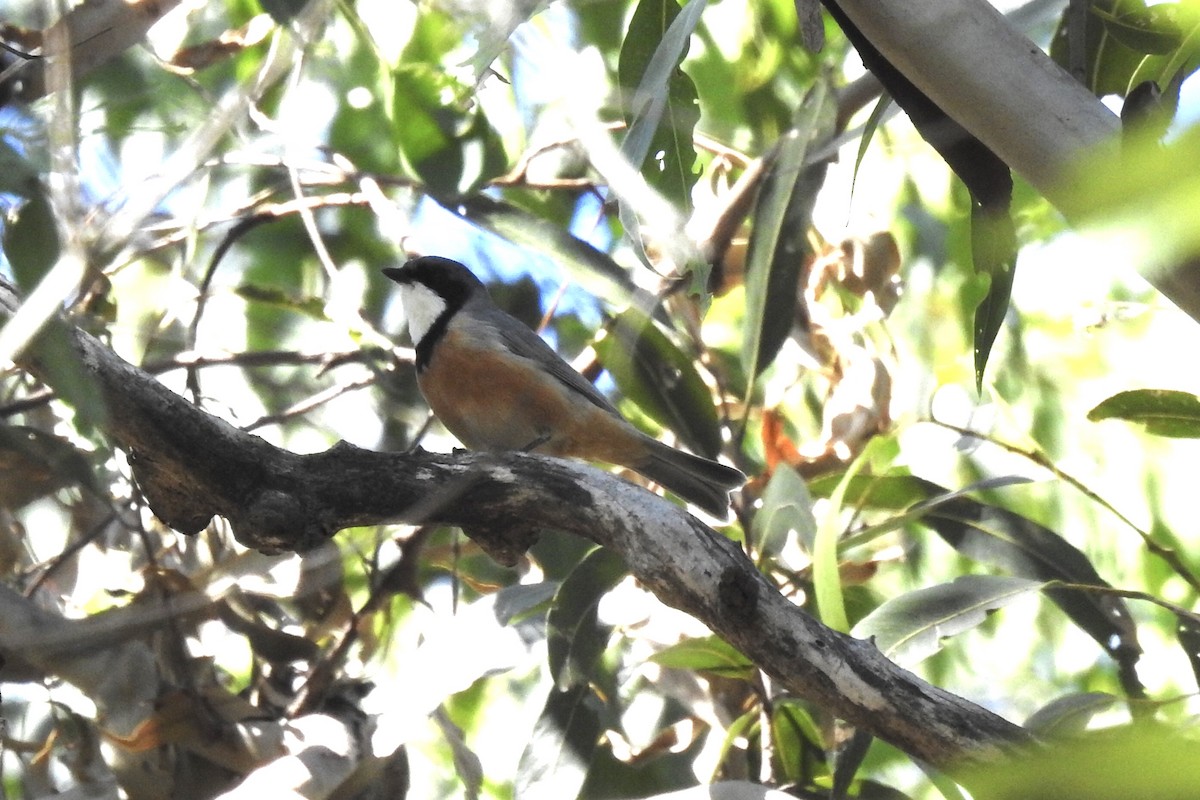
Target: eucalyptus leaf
<point>1069,715</point>
<point>706,654</point>
<point>1026,549</point>
<point>910,628</point>
<point>786,511</point>
<point>1163,412</point>
<point>661,379</point>
<point>779,244</point>
<point>31,240</point>
<point>575,638</point>
<point>555,762</point>
<point>661,102</point>
<point>1148,29</point>
<point>994,254</point>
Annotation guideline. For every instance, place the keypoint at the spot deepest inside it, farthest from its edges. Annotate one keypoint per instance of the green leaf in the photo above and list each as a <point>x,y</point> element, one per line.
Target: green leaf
<point>1026,549</point>
<point>827,579</point>
<point>911,627</point>
<point>31,240</point>
<point>779,243</point>
<point>17,174</point>
<point>575,639</point>
<point>312,307</point>
<point>560,749</point>
<point>895,492</point>
<point>915,512</point>
<point>706,654</point>
<point>869,127</point>
<point>1106,64</point>
<point>786,511</point>
<point>67,376</point>
<point>1068,715</point>
<point>661,379</point>
<point>795,738</point>
<point>994,253</point>
<point>452,150</point>
<point>660,101</point>
<point>1149,762</point>
<point>1146,29</point>
<point>1163,412</point>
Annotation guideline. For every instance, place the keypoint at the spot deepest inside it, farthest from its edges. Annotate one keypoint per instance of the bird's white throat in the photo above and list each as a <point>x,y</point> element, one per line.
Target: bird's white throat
<point>422,307</point>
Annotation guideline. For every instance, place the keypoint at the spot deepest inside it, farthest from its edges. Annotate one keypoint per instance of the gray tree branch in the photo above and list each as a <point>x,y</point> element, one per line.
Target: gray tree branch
<point>966,57</point>
<point>192,466</point>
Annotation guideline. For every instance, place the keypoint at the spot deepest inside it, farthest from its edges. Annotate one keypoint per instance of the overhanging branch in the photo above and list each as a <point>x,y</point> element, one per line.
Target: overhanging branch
<point>969,60</point>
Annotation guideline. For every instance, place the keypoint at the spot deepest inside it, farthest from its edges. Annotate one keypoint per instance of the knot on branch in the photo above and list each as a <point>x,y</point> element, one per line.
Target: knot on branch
<point>738,592</point>
<point>275,521</point>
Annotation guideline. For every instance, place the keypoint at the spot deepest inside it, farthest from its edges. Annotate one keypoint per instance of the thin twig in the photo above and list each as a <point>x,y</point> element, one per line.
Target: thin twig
<point>315,401</point>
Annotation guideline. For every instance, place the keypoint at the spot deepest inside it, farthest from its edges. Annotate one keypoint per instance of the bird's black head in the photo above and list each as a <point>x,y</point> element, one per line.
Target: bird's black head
<point>449,279</point>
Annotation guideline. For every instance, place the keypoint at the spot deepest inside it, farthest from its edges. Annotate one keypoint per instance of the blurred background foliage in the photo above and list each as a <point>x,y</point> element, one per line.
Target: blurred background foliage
<point>232,187</point>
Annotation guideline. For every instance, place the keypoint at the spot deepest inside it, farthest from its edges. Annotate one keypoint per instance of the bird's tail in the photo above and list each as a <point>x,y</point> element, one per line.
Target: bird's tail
<point>698,480</point>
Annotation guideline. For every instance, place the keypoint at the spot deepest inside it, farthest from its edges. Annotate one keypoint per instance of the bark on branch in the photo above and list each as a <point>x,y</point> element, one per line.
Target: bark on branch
<point>193,466</point>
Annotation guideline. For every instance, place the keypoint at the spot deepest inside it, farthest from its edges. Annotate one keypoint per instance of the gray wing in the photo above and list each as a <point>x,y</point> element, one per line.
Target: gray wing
<point>523,342</point>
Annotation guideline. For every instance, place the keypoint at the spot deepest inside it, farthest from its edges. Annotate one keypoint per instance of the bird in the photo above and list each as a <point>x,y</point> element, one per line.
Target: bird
<point>497,386</point>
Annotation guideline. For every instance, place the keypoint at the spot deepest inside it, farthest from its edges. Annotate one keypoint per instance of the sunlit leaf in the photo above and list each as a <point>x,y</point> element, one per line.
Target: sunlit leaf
<point>869,127</point>
<point>779,237</point>
<point>706,654</point>
<point>661,379</point>
<point>895,492</point>
<point>1069,715</point>
<point>1104,65</point>
<point>452,149</point>
<point>66,374</point>
<point>1163,412</point>
<point>1142,192</point>
<point>911,627</point>
<point>918,510</point>
<point>1015,543</point>
<point>313,307</point>
<point>994,254</point>
<point>527,230</point>
<point>786,511</point>
<point>661,104</point>
<point>827,579</point>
